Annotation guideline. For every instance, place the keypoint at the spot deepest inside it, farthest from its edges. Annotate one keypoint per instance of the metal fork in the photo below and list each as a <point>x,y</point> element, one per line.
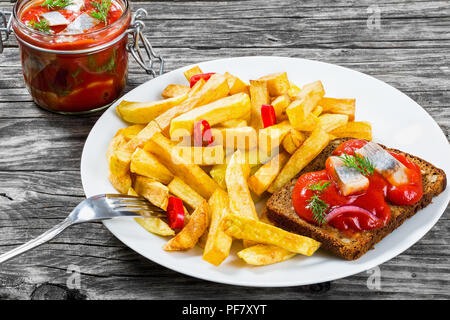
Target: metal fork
<point>96,208</point>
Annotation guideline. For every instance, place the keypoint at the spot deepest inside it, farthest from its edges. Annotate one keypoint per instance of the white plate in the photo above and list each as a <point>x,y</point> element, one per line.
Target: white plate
<point>397,121</point>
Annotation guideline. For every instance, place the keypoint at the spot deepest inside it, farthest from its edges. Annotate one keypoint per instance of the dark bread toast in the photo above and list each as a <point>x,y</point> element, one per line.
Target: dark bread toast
<point>281,211</point>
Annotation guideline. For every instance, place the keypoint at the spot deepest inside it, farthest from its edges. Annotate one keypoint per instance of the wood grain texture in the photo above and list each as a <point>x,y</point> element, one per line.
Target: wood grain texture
<point>40,151</point>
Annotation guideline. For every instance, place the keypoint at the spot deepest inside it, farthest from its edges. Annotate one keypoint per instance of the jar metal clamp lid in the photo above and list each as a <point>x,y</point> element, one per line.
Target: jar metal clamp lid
<point>152,63</point>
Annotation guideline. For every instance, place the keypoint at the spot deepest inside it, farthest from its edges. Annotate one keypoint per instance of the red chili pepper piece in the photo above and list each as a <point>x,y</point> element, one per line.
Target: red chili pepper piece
<point>268,115</point>
<point>175,213</point>
<point>202,133</point>
<point>204,76</point>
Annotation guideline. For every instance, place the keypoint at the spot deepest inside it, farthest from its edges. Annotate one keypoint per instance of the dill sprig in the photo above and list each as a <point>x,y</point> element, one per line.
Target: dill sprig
<point>362,164</point>
<point>102,9</point>
<point>319,208</point>
<point>317,205</point>
<point>51,4</point>
<point>41,25</point>
<point>319,186</point>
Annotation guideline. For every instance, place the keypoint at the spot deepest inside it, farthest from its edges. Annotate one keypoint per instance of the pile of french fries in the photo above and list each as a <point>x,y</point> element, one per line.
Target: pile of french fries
<point>219,183</point>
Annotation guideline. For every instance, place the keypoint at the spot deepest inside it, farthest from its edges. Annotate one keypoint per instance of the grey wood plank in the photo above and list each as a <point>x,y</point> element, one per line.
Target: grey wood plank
<point>39,162</point>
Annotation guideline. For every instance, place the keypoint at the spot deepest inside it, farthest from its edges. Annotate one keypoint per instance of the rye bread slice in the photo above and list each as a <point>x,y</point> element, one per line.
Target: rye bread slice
<point>281,211</point>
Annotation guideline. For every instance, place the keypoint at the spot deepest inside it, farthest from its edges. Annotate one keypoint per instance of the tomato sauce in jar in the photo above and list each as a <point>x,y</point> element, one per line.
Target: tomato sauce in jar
<point>73,52</point>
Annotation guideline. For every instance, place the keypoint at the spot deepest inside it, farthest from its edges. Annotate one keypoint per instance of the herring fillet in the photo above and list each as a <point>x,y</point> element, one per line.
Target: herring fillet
<point>55,18</point>
<point>81,24</point>
<point>384,163</point>
<point>349,180</point>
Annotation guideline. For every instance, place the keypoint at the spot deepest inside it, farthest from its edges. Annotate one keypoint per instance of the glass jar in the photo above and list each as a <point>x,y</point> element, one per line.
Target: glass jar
<point>80,73</point>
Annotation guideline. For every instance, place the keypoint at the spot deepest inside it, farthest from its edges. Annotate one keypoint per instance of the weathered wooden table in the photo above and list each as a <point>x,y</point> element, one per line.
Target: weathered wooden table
<point>407,47</point>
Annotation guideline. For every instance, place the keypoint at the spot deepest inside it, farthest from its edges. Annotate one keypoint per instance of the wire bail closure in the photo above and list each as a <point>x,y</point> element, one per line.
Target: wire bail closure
<point>148,64</point>
<point>5,27</point>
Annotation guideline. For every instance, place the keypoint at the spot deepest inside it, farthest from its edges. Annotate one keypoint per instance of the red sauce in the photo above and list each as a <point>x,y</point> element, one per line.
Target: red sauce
<point>74,82</point>
<point>375,199</point>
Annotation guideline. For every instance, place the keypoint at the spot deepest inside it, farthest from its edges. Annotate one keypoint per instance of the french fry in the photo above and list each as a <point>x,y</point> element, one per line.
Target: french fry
<point>218,243</point>
<point>293,90</point>
<point>299,110</point>
<point>312,146</point>
<point>309,124</point>
<point>144,112</point>
<point>357,130</point>
<point>215,88</point>
<point>244,138</point>
<point>143,136</point>
<point>233,123</point>
<point>339,106</point>
<point>329,122</point>
<point>264,254</point>
<point>192,72</point>
<point>236,85</point>
<point>202,156</point>
<point>192,231</point>
<point>270,138</point>
<point>236,175</point>
<point>317,111</point>
<point>152,190</point>
<point>245,228</point>
<point>293,140</point>
<point>217,172</point>
<point>277,83</point>
<point>280,104</point>
<point>233,107</point>
<point>174,90</point>
<point>183,191</point>
<point>259,95</point>
<point>265,175</point>
<point>311,89</point>
<point>118,159</point>
<point>153,224</point>
<point>192,174</point>
<point>130,132</point>
<point>146,164</point>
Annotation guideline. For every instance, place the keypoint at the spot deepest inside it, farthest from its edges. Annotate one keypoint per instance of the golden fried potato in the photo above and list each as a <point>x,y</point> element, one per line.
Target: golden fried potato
<point>146,164</point>
<point>312,146</point>
<point>215,88</point>
<point>277,83</point>
<point>217,172</point>
<point>339,106</point>
<point>357,130</point>
<point>293,90</point>
<point>311,89</point>
<point>280,104</point>
<point>183,191</point>
<point>259,95</point>
<point>190,173</point>
<point>218,243</point>
<point>202,156</point>
<point>265,175</point>
<point>271,137</point>
<point>144,112</point>
<point>241,227</point>
<point>174,90</point>
<point>233,123</point>
<point>264,254</point>
<point>130,132</point>
<point>233,107</point>
<point>236,176</point>
<point>299,110</point>
<point>192,231</point>
<point>236,85</point>
<point>329,122</point>
<point>192,72</point>
<point>293,140</point>
<point>243,138</point>
<point>152,190</point>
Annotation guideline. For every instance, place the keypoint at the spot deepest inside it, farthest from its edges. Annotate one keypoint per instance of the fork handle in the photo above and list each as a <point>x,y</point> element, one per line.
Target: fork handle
<point>46,236</point>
